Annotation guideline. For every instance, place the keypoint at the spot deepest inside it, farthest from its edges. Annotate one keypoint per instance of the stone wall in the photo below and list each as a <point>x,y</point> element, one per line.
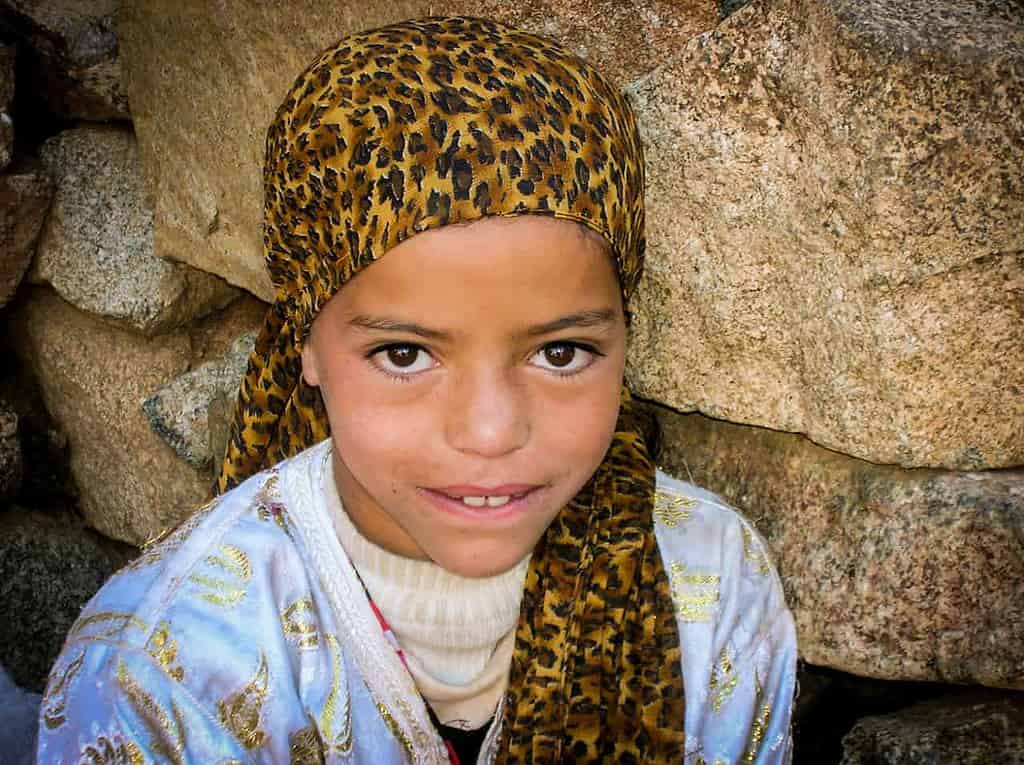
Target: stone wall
<point>830,326</point>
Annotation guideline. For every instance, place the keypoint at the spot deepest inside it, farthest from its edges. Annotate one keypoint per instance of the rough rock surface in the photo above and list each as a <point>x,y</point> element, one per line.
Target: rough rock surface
<point>11,460</point>
<point>181,411</point>
<point>96,248</point>
<point>74,50</point>
<point>836,227</point>
<point>890,573</point>
<point>50,565</point>
<point>6,96</point>
<point>205,80</point>
<point>24,200</point>
<point>974,729</point>
<point>94,379</point>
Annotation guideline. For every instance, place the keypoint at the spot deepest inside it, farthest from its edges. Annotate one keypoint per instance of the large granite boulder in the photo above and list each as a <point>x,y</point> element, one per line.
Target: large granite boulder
<point>967,729</point>
<point>24,200</point>
<point>890,573</point>
<point>72,45</point>
<point>94,379</point>
<point>96,248</point>
<point>205,78</point>
<point>836,227</point>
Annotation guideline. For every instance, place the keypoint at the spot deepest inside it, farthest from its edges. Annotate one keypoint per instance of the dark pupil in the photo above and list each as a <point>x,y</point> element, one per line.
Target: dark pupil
<point>559,355</point>
<point>402,355</point>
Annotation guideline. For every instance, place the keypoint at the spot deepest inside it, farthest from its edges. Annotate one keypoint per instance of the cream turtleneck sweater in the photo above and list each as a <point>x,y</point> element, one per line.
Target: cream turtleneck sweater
<point>457,633</point>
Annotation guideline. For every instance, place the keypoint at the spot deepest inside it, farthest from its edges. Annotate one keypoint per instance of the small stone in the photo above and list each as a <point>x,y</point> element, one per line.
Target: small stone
<point>975,727</point>
<point>97,246</point>
<point>890,573</point>
<point>189,413</point>
<point>7,55</point>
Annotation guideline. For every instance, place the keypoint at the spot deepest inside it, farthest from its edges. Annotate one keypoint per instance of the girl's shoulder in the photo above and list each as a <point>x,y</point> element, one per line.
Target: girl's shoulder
<point>739,638</point>
<point>719,567</point>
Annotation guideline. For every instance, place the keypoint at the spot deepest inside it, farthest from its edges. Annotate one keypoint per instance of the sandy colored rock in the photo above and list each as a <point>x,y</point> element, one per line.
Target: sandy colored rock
<point>205,78</point>
<point>971,729</point>
<point>24,200</point>
<point>97,246</point>
<point>836,227</point>
<point>94,378</point>
<point>890,573</point>
<point>623,40</point>
<point>74,51</point>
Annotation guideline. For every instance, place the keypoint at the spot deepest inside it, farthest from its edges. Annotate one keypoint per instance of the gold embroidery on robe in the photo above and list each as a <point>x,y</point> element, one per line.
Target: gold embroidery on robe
<point>723,681</point>
<point>396,731</point>
<point>226,578</point>
<point>270,509</point>
<point>759,724</point>
<point>167,728</point>
<point>106,624</point>
<point>299,623</point>
<point>171,538</point>
<point>241,711</point>
<point>695,595</point>
<point>305,747</point>
<point>753,552</point>
<point>339,740</point>
<point>54,706</point>
<point>112,751</point>
<point>164,651</point>
<point>671,510</point>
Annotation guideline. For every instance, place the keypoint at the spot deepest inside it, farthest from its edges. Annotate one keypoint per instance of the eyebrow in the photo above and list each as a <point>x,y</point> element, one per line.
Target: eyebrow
<point>582,319</point>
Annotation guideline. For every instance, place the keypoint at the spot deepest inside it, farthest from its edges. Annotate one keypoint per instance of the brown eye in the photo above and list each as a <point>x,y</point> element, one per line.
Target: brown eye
<point>560,355</point>
<point>403,356</point>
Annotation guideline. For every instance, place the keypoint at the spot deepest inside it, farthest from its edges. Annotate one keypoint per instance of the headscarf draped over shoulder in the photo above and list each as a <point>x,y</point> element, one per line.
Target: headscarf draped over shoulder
<point>443,120</point>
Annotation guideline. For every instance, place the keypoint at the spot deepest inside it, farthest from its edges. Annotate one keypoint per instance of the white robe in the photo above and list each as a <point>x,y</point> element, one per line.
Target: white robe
<point>245,636</point>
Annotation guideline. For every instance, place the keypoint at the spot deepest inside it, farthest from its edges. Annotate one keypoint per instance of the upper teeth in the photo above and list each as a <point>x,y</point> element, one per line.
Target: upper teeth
<point>489,501</point>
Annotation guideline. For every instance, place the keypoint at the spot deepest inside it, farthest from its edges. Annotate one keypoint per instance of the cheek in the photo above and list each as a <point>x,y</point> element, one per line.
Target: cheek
<point>584,424</point>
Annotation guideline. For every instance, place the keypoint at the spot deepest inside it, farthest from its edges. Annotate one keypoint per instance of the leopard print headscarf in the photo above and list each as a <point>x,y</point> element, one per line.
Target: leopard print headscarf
<point>421,124</point>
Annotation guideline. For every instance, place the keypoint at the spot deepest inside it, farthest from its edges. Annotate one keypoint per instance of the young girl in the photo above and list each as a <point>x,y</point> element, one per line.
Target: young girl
<point>441,537</point>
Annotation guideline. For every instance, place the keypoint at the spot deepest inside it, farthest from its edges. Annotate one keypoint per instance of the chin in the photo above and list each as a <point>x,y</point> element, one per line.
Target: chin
<point>482,566</point>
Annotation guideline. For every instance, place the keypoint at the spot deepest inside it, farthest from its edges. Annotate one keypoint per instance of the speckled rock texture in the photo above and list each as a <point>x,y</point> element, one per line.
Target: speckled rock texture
<point>50,565</point>
<point>7,55</point>
<point>836,227</point>
<point>74,52</point>
<point>189,412</point>
<point>890,573</point>
<point>96,248</point>
<point>94,378</point>
<point>975,729</point>
<point>205,79</point>
<point>24,200</point>
<point>11,458</point>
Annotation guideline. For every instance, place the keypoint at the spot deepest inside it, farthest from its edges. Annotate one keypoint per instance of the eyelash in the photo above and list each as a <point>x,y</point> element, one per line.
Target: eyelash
<point>405,378</point>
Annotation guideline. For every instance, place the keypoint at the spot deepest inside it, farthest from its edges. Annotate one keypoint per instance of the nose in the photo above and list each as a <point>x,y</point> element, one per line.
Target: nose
<point>487,414</point>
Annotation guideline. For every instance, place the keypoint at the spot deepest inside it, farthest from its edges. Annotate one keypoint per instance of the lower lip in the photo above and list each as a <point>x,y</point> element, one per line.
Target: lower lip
<point>511,510</point>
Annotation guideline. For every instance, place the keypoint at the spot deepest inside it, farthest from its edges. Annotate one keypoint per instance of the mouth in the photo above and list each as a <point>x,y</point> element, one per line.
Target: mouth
<point>489,499</point>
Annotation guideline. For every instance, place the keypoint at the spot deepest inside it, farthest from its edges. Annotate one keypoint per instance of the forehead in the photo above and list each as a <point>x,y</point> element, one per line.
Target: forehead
<point>528,261</point>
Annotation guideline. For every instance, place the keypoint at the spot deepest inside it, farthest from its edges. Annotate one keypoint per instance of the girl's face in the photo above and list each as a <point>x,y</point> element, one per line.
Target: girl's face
<point>471,378</point>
